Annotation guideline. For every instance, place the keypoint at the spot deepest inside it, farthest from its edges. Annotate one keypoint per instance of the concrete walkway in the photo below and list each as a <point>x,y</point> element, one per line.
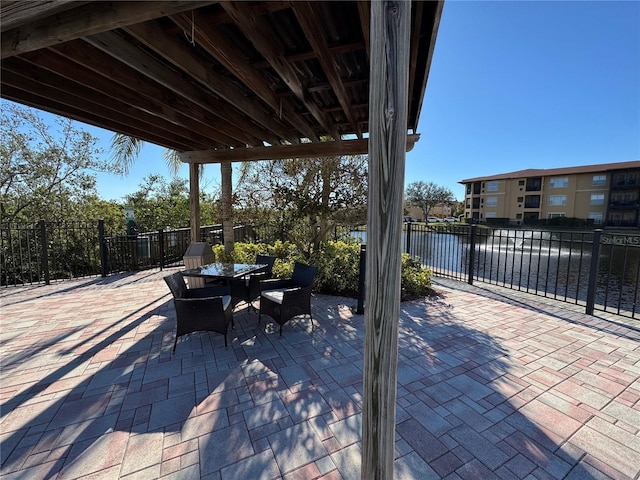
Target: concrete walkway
<point>490,385</point>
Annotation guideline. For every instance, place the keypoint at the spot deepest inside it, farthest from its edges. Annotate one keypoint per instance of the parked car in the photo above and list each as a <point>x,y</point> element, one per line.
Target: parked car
<point>434,220</point>
<point>450,219</point>
<point>410,220</point>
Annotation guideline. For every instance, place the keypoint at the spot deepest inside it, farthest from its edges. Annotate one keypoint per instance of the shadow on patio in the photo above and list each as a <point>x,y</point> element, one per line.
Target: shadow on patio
<point>486,389</point>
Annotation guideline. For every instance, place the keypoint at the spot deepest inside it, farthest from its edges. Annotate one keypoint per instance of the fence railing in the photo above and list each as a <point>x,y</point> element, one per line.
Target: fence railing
<point>597,269</point>
<point>45,252</point>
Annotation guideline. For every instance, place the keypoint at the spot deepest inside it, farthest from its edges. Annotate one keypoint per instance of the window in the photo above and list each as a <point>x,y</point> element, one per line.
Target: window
<point>596,217</point>
<point>599,181</point>
<point>491,202</point>
<point>521,182</point>
<point>555,215</point>
<point>490,215</point>
<point>559,182</point>
<point>597,199</point>
<point>557,199</point>
<point>520,199</point>
<point>492,186</point>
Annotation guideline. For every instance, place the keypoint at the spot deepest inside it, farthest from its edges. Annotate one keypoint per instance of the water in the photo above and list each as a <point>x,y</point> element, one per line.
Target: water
<point>554,264</point>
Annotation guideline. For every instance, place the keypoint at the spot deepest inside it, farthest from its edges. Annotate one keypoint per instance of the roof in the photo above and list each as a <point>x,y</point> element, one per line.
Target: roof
<point>542,172</point>
<point>201,75</point>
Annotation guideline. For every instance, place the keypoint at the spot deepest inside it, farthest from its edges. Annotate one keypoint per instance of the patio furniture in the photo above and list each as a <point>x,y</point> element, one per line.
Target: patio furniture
<point>206,309</point>
<point>254,279</point>
<point>284,299</point>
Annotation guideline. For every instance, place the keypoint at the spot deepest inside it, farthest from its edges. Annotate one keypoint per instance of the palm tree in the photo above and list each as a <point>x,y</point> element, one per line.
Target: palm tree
<point>125,150</point>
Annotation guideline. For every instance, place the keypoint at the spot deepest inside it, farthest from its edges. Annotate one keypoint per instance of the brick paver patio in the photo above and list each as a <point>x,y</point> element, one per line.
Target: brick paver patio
<point>490,385</point>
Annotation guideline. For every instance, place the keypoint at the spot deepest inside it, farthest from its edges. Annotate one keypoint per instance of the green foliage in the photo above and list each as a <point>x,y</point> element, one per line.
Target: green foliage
<point>159,203</point>
<point>416,278</point>
<point>338,266</point>
<point>304,199</point>
<point>426,195</point>
<point>45,171</point>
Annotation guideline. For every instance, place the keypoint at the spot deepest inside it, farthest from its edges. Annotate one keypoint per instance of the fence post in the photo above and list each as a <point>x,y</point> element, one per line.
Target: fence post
<point>593,271</point>
<point>361,279</point>
<point>472,252</point>
<point>161,238</point>
<point>103,248</point>
<point>408,243</point>
<point>45,252</point>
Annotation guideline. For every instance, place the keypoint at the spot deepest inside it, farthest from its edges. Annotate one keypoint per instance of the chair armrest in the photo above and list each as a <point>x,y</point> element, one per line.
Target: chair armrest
<point>208,303</point>
<point>274,283</point>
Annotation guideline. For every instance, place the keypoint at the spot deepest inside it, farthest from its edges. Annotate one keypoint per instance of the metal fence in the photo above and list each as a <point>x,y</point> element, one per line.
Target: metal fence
<point>597,269</point>
<point>46,252</point>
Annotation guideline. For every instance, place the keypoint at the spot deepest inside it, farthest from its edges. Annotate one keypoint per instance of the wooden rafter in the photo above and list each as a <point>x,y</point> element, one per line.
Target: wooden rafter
<point>314,32</point>
<point>259,72</point>
<point>182,57</point>
<point>221,48</point>
<point>94,67</point>
<point>86,20</point>
<point>256,30</point>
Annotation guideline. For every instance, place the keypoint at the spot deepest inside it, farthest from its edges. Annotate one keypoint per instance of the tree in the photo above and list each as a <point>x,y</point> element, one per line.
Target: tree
<point>44,173</point>
<point>426,195</point>
<point>161,204</point>
<point>305,197</point>
<point>125,150</point>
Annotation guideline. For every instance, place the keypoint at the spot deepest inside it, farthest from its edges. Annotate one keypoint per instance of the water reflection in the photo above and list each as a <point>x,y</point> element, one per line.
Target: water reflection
<point>556,264</point>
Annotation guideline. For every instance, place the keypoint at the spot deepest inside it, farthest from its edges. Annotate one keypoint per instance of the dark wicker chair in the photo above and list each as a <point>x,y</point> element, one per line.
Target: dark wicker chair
<point>284,299</point>
<point>207,309</point>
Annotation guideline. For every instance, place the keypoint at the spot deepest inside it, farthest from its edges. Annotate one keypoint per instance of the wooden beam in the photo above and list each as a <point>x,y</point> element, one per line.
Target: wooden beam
<point>314,32</point>
<point>78,59</point>
<point>388,100</point>
<point>279,152</point>
<point>194,201</point>
<point>226,177</point>
<point>19,13</point>
<point>96,93</point>
<point>87,20</point>
<point>223,50</point>
<point>185,59</point>
<point>23,95</point>
<point>257,30</point>
<point>364,10</point>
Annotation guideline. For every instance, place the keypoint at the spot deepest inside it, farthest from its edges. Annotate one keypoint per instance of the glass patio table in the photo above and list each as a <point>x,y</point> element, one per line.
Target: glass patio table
<point>224,271</point>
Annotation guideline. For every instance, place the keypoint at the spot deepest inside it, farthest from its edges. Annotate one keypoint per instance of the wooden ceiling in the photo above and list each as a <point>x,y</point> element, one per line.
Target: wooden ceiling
<point>199,75</point>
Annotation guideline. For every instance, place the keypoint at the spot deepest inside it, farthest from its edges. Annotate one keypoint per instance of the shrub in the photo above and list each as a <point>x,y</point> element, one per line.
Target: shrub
<point>338,266</point>
<point>416,278</point>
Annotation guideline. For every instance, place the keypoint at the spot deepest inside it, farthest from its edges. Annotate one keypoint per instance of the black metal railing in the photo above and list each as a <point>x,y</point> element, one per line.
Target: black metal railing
<point>44,252</point>
<point>597,269</point>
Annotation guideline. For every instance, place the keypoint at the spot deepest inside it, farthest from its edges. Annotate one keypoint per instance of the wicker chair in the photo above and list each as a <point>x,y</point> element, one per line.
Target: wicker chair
<point>284,299</point>
<point>200,309</point>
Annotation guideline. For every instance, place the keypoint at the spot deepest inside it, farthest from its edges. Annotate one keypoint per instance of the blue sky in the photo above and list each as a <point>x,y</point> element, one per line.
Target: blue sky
<point>512,85</point>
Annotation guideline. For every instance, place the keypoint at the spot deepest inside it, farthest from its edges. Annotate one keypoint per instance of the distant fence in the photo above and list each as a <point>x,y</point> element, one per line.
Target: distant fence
<point>46,252</point>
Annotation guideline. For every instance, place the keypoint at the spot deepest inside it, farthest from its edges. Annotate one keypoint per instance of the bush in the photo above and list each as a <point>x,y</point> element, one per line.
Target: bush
<point>416,278</point>
<point>338,266</point>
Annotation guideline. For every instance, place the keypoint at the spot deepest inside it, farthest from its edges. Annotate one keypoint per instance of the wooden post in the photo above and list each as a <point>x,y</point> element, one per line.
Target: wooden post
<point>388,100</point>
<point>226,173</point>
<point>194,200</point>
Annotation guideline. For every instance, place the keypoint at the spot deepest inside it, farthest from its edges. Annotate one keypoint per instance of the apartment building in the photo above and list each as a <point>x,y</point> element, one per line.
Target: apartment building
<point>608,194</point>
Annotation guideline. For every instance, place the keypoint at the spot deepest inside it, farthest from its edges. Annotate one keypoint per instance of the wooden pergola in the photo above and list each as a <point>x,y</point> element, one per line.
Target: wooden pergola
<point>227,81</point>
